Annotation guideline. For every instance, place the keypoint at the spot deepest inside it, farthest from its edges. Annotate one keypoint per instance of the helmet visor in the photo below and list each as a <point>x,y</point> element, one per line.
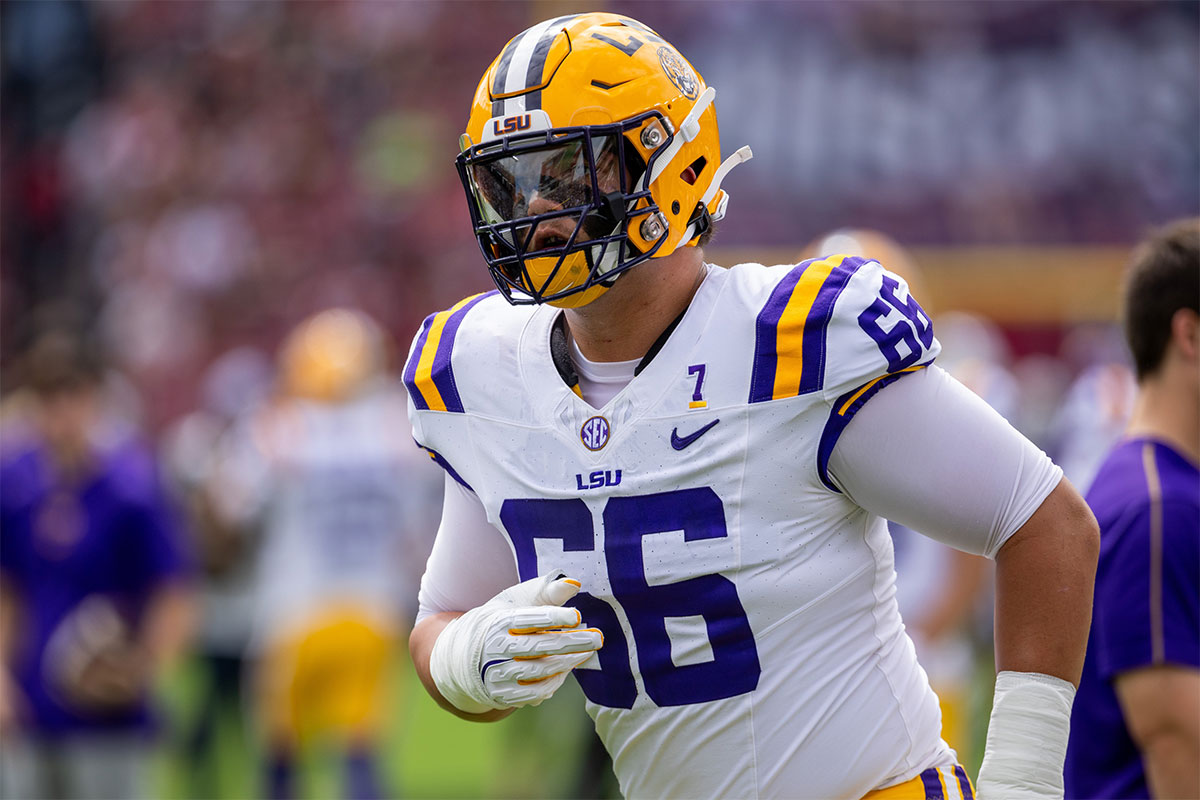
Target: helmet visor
<point>555,182</point>
<point>551,209</point>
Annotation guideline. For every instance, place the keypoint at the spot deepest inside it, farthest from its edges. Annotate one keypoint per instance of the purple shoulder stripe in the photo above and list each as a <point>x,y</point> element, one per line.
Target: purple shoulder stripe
<point>789,359</point>
<point>443,373</point>
<point>429,373</point>
<point>410,369</point>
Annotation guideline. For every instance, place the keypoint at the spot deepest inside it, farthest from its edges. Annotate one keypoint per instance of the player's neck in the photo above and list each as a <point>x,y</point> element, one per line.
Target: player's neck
<point>624,322</point>
<point>1168,408</point>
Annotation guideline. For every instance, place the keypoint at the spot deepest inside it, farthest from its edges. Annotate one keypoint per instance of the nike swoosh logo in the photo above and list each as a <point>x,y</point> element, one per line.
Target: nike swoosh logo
<point>680,442</point>
<point>489,665</point>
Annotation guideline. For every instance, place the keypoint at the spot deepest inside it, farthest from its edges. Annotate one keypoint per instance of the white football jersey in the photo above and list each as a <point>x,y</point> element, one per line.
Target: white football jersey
<point>339,489</point>
<point>752,644</point>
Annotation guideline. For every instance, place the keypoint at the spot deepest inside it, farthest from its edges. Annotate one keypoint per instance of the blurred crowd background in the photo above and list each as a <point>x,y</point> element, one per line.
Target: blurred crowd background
<point>186,184</point>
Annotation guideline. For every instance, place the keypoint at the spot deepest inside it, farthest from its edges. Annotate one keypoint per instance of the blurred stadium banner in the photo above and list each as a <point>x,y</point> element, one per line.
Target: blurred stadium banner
<point>1012,286</point>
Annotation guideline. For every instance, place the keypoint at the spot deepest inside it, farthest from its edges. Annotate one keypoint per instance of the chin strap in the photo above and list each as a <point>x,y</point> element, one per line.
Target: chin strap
<point>689,129</point>
<point>741,155</point>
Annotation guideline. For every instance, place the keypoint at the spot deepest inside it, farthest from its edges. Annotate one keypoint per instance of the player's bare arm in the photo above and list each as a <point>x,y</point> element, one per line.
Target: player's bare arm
<point>1044,578</point>
<point>1161,706</point>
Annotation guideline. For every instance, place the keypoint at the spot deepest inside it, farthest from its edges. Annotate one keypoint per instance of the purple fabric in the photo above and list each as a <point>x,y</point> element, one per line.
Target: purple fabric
<point>363,781</point>
<point>933,784</point>
<point>410,370</point>
<point>1146,611</point>
<point>443,373</point>
<point>281,776</point>
<point>816,323</point>
<point>109,534</point>
<point>964,785</point>
<point>812,374</point>
<point>766,356</point>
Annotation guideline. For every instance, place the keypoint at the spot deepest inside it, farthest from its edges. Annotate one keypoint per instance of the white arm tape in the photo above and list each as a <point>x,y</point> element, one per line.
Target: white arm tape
<point>1027,738</point>
<point>454,667</point>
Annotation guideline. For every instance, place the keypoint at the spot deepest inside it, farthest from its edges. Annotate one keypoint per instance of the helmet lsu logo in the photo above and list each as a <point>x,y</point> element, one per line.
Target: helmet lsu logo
<point>503,127</point>
<point>594,433</point>
<point>679,72</point>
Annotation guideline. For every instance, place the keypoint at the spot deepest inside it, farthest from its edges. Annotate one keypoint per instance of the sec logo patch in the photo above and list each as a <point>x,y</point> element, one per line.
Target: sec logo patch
<point>594,433</point>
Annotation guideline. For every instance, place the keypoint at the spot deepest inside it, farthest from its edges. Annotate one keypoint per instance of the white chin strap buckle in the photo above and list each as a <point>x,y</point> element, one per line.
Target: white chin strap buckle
<point>689,129</point>
<point>741,155</point>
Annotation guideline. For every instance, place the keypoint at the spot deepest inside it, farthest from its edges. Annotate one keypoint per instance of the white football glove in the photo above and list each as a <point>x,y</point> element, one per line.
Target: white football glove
<point>514,650</point>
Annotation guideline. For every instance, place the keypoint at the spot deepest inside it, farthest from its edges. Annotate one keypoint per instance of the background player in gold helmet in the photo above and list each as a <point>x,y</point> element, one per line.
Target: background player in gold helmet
<point>337,488</point>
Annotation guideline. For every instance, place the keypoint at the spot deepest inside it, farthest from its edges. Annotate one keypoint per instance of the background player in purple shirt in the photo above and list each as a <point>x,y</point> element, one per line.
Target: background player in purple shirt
<point>1135,728</point>
<point>95,585</point>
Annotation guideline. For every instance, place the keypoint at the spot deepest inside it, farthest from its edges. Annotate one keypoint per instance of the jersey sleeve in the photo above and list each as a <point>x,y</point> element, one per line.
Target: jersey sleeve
<point>841,328</point>
<point>926,473</point>
<point>436,410</point>
<point>833,325</point>
<point>1147,606</point>
<point>877,329</point>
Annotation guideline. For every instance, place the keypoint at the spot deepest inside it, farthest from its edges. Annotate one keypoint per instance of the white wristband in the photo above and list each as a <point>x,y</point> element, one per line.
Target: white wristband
<point>1027,738</point>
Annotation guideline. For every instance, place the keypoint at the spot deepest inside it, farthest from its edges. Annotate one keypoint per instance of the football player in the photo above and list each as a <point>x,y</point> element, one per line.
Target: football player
<point>335,484</point>
<point>671,479</point>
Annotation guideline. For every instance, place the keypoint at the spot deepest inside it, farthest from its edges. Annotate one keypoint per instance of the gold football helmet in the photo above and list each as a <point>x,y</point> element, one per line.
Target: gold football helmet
<point>592,146</point>
<point>331,356</point>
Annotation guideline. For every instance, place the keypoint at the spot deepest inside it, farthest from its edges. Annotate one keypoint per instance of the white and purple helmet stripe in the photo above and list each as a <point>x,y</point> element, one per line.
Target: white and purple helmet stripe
<point>521,65</point>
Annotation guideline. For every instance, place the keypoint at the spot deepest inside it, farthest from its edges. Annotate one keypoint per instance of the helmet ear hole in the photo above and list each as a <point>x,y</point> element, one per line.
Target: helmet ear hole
<point>691,173</point>
<point>635,167</point>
